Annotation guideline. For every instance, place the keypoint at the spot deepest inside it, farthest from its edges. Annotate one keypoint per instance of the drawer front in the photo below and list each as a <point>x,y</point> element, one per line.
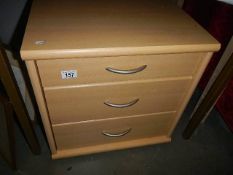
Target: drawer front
<point>83,134</point>
<point>93,70</point>
<point>90,103</point>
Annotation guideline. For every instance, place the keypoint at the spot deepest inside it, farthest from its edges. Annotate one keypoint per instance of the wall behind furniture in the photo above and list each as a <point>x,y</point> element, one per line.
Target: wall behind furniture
<point>10,12</point>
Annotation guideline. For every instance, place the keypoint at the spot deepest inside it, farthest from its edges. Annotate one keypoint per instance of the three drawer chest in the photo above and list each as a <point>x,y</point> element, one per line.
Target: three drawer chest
<point>110,75</point>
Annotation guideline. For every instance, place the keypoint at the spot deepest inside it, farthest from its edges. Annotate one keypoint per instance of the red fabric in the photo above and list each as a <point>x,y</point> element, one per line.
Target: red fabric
<point>217,18</point>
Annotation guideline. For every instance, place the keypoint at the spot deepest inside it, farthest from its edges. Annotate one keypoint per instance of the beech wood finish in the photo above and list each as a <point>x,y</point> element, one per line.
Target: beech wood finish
<point>137,65</point>
<point>36,84</point>
<point>91,133</point>
<point>93,71</point>
<point>110,146</point>
<point>72,104</point>
<point>111,28</point>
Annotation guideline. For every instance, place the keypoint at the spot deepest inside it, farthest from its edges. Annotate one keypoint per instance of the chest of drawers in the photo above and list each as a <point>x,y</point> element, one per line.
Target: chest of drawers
<point>111,75</point>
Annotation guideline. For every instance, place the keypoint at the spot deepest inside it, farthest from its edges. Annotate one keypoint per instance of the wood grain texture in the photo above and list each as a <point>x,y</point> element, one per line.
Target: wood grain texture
<point>189,92</point>
<point>87,103</point>
<point>93,70</point>
<point>76,135</point>
<point>109,28</point>
<point>110,147</point>
<point>33,74</point>
<point>89,36</point>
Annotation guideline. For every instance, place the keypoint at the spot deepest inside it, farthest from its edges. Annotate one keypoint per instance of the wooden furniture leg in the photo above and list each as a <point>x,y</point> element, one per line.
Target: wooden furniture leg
<point>211,97</point>
<point>15,97</point>
<point>7,136</point>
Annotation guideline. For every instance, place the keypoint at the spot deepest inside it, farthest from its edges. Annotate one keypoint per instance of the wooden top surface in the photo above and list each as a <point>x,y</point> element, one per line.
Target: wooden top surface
<point>87,28</point>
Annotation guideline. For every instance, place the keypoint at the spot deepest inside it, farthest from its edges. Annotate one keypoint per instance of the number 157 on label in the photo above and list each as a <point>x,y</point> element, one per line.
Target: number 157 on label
<point>68,74</point>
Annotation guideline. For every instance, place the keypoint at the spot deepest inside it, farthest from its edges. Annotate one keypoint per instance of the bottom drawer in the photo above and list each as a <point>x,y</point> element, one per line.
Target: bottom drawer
<point>91,133</point>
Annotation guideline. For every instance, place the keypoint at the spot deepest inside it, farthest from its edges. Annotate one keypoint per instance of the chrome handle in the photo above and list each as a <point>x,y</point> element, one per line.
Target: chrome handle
<point>130,71</point>
<point>121,105</point>
<point>116,134</point>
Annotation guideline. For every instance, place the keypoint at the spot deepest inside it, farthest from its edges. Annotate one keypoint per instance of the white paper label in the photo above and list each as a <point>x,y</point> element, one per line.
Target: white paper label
<point>68,74</point>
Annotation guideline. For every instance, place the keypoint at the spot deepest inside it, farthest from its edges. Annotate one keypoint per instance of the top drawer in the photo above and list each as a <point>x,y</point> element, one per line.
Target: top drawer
<point>93,70</point>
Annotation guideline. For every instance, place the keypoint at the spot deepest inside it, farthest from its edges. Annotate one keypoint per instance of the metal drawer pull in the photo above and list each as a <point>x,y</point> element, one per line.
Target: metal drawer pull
<point>121,105</point>
<point>116,134</point>
<point>131,71</point>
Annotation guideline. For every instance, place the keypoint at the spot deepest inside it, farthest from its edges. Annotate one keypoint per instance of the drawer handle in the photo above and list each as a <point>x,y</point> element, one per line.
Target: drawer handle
<point>116,134</point>
<point>131,71</point>
<point>121,105</point>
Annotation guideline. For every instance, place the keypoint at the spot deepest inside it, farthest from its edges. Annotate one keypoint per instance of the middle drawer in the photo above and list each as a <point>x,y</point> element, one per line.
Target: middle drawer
<point>74,104</point>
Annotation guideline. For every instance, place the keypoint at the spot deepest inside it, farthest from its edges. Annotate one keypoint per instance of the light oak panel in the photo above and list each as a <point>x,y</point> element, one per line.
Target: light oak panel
<point>93,70</point>
<point>63,153</point>
<point>87,103</point>
<point>89,36</point>
<point>77,135</point>
<point>38,91</point>
<point>198,73</point>
<point>109,27</point>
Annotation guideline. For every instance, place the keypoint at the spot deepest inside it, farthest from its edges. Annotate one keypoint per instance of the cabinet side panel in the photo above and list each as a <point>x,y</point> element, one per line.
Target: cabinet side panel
<point>197,76</point>
<point>36,84</point>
